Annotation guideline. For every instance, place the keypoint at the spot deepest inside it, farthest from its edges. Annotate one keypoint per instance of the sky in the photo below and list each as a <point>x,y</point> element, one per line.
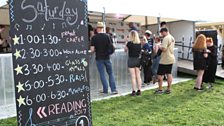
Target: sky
<point>2,2</point>
<point>179,9</point>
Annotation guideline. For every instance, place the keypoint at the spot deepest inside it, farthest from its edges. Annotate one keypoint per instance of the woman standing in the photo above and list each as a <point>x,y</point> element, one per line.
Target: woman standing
<point>156,58</point>
<point>209,75</point>
<point>199,54</point>
<point>145,60</point>
<point>133,47</point>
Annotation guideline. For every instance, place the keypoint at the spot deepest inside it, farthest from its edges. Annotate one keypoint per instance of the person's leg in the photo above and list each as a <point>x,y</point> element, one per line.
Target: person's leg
<point>169,81</point>
<point>156,67</point>
<point>169,76</point>
<point>149,75</point>
<point>154,71</point>
<point>133,78</point>
<point>160,79</point>
<point>199,78</point>
<point>138,77</point>
<point>160,76</point>
<point>145,74</point>
<point>100,67</point>
<point>111,75</point>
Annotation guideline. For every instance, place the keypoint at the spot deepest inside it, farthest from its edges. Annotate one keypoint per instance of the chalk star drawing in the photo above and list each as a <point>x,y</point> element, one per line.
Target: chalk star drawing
<point>16,40</point>
<point>17,54</point>
<point>21,101</point>
<point>18,70</point>
<point>20,87</point>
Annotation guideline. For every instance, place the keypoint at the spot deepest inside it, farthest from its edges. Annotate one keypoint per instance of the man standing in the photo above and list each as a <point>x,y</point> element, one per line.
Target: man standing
<point>167,60</point>
<point>163,24</point>
<point>132,27</point>
<point>100,45</point>
<point>149,38</point>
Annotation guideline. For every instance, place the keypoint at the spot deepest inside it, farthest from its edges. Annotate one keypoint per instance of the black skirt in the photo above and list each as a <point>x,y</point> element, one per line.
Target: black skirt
<point>199,61</point>
<point>133,62</point>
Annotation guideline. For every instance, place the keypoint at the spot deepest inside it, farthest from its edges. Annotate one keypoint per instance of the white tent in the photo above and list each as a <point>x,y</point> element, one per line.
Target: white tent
<point>194,10</point>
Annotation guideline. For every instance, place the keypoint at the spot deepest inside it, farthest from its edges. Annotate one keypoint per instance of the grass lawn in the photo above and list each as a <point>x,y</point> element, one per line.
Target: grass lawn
<point>184,106</point>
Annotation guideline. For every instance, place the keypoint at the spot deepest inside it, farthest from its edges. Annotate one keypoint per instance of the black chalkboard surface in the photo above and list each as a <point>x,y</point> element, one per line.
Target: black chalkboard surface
<point>50,62</point>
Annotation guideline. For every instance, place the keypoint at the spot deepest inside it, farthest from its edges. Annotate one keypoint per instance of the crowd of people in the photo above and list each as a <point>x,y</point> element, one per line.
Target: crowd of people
<point>153,55</point>
<point>205,61</point>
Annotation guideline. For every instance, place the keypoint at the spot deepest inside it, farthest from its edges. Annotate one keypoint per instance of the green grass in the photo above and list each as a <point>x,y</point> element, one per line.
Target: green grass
<point>184,107</point>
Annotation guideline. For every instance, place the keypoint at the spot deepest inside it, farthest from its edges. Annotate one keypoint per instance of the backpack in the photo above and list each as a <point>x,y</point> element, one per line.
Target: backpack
<point>145,58</point>
<point>111,48</point>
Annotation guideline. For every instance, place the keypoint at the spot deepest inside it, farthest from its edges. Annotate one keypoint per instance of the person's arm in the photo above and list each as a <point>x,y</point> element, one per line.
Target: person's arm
<point>126,47</point>
<point>91,33</point>
<point>155,49</point>
<point>92,48</point>
<point>2,41</point>
<point>205,53</point>
<point>164,44</point>
<point>213,52</point>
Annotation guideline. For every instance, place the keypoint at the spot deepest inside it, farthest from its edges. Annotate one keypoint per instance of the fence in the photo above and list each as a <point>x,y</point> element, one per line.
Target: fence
<point>185,51</point>
<point>120,69</point>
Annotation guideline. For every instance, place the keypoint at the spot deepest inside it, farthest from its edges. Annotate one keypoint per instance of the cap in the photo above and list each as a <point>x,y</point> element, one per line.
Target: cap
<point>148,32</point>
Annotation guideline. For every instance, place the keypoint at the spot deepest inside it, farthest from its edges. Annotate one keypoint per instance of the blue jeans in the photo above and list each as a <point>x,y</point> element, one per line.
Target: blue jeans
<point>155,65</point>
<point>101,64</point>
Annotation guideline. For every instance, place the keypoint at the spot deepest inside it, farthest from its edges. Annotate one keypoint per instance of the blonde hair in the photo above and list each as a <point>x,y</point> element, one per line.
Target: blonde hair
<point>143,38</point>
<point>200,42</point>
<point>134,37</point>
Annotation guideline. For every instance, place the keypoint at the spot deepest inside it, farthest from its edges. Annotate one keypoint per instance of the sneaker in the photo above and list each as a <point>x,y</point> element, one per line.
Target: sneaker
<point>158,91</point>
<point>168,91</point>
<point>102,92</point>
<point>138,93</point>
<point>133,93</point>
<point>198,89</point>
<point>114,92</point>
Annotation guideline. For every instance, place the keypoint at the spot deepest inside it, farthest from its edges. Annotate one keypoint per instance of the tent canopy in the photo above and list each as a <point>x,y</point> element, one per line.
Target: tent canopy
<point>4,15</point>
<point>194,10</point>
<point>129,18</point>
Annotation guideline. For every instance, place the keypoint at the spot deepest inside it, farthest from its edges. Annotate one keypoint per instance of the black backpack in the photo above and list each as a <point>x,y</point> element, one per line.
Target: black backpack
<point>145,58</point>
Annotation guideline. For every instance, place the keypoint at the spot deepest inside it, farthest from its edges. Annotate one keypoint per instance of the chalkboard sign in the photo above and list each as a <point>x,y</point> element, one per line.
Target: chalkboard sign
<point>50,62</point>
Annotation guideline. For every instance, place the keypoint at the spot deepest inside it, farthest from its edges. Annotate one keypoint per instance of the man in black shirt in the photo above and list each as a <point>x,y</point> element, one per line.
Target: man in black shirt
<point>132,27</point>
<point>100,45</point>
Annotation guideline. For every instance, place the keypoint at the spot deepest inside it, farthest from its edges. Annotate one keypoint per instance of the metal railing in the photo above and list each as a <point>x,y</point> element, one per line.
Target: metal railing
<point>120,69</point>
<point>185,51</point>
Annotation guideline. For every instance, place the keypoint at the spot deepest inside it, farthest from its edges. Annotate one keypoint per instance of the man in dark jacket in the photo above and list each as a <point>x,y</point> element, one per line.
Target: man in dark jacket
<point>100,45</point>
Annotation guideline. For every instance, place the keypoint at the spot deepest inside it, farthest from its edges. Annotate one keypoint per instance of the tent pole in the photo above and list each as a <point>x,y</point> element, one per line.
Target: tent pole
<point>146,22</point>
<point>158,25</point>
<point>104,18</point>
